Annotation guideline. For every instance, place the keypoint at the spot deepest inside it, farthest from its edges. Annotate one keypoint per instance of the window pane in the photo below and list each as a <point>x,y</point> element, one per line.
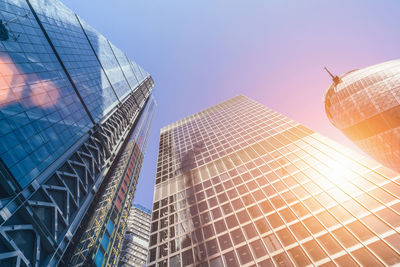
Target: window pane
<point>258,248</point>
<point>299,257</point>
<point>254,211</point>
<point>360,231</point>
<point>330,244</point>
<point>299,209</point>
<point>243,216</point>
<point>220,226</point>
<point>389,256</point>
<point>175,261</point>
<point>282,260</point>
<point>237,236</point>
<point>327,219</point>
<point>313,225</point>
<point>244,254</point>
<point>299,231</point>
<point>272,243</point>
<point>287,215</point>
<point>364,257</point>
<point>250,231</point>
<point>345,237</point>
<point>266,263</point>
<point>390,217</point>
<point>230,259</point>
<point>375,224</point>
<point>286,237</point>
<point>187,257</point>
<point>266,207</point>
<point>200,252</point>
<point>216,213</point>
<point>217,262</point>
<point>262,226</point>
<point>231,221</point>
<point>224,241</point>
<point>394,240</point>
<point>208,231</point>
<point>212,247</point>
<point>314,250</point>
<point>274,220</point>
<point>341,213</point>
<point>345,261</point>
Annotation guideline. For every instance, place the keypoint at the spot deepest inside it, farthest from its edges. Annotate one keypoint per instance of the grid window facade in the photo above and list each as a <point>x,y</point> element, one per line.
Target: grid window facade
<point>239,184</point>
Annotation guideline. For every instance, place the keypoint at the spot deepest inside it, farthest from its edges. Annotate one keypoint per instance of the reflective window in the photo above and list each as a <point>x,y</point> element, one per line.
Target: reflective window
<point>298,256</point>
<point>230,259</point>
<point>258,248</point>
<point>286,237</point>
<point>314,250</point>
<point>244,254</point>
<point>275,188</point>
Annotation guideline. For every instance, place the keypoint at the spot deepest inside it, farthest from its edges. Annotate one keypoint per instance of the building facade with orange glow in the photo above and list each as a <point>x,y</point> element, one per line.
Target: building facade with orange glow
<point>365,105</point>
<point>75,113</point>
<point>239,184</point>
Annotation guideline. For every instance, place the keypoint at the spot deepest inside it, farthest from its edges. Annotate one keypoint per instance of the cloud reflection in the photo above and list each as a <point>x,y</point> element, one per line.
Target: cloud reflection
<point>13,83</point>
<point>44,94</point>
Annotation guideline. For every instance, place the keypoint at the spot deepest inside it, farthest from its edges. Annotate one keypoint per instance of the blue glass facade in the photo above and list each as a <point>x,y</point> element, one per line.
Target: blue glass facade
<point>41,115</point>
<point>68,101</point>
<point>77,54</point>
<point>108,60</point>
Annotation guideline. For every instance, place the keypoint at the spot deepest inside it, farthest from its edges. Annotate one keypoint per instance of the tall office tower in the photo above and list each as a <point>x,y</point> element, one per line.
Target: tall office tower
<point>239,184</point>
<point>136,243</point>
<point>365,105</point>
<point>74,116</point>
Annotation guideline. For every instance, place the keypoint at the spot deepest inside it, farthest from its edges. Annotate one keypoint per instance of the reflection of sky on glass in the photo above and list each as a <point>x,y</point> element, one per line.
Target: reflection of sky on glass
<point>203,52</point>
<point>43,93</point>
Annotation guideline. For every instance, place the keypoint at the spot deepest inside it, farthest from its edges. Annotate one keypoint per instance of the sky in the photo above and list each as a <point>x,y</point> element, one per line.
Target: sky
<point>200,53</point>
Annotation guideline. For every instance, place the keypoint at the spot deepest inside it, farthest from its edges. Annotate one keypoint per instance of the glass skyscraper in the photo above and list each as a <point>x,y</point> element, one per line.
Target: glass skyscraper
<point>239,184</point>
<point>365,105</point>
<point>74,117</point>
<point>136,242</point>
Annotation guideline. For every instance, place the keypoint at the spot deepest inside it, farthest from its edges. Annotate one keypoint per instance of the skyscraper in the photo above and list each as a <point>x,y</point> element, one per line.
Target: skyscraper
<point>365,105</point>
<point>239,184</point>
<point>136,242</point>
<point>74,118</point>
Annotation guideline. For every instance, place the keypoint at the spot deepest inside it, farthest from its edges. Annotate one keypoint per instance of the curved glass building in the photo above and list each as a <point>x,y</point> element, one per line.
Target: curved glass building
<point>364,105</point>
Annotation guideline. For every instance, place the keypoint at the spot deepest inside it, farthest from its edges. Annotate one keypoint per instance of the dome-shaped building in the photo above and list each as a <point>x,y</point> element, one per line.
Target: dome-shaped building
<point>365,105</point>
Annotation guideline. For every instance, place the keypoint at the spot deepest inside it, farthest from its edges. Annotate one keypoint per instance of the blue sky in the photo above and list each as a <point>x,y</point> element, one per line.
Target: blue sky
<point>200,53</point>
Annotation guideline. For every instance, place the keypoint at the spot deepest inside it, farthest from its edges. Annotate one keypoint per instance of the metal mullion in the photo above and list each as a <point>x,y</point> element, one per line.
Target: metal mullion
<point>344,225</point>
<point>299,221</point>
<point>383,204</point>
<point>356,219</point>
<point>312,215</point>
<point>251,219</point>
